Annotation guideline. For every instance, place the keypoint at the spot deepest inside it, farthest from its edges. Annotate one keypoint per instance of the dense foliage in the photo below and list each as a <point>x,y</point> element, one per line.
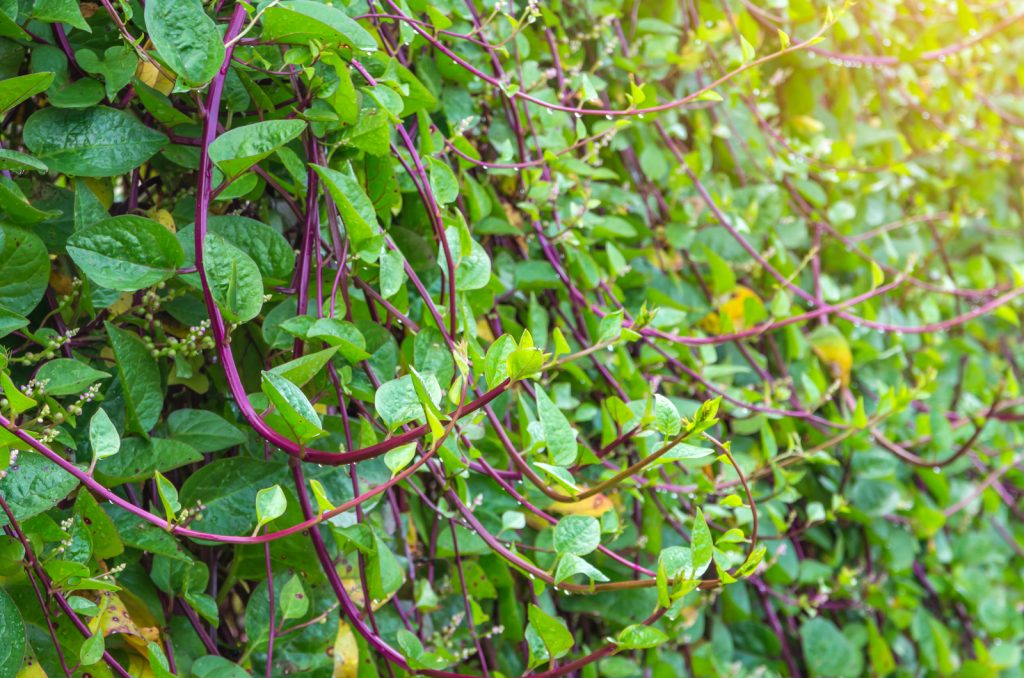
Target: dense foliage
<point>491,338</point>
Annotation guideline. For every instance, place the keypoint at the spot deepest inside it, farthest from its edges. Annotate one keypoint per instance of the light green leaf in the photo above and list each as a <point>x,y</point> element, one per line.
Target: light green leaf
<point>270,505</point>
<point>558,432</point>
<point>240,148</point>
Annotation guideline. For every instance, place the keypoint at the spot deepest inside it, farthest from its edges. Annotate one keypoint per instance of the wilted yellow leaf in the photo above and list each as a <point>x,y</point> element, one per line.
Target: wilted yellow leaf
<point>126,615</point>
<point>734,308</point>
<point>833,350</point>
<point>346,652</point>
<point>164,218</point>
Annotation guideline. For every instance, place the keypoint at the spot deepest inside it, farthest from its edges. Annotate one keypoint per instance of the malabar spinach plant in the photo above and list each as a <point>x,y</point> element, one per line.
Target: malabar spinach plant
<point>490,338</point>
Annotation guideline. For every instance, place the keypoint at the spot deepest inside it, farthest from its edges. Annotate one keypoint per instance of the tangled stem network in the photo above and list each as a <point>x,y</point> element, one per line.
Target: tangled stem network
<point>576,339</point>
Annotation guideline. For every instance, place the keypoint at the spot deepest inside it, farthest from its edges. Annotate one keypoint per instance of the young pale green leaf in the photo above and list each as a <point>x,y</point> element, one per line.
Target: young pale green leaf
<point>92,649</point>
<point>640,637</point>
<point>240,148</point>
<point>343,336</point>
<point>271,504</point>
<point>552,631</point>
<point>168,497</point>
<point>126,253</point>
<point>103,437</point>
<point>392,273</point>
<point>400,457</point>
<point>702,547</point>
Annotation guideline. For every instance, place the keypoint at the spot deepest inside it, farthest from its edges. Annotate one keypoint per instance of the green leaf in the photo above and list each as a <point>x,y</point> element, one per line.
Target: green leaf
<point>827,650</point>
<point>203,430</point>
<point>552,631</point>
<point>270,505</point>
<point>397,403</point>
<point>304,368</point>
<point>168,496</point>
<point>92,649</point>
<point>577,534</point>
<point>343,336</point>
<point>558,432</point>
<point>496,362</point>
<point>234,279</point>
<point>13,160</point>
<point>103,437</point>
<point>227,488</point>
<point>67,376</point>
<point>640,637</point>
<point>298,22</point>
<point>293,406</point>
<point>26,270</point>
<point>90,142</point>
<point>126,253</point>
<point>701,545</point>
<point>398,458</point>
<point>294,601</point>
<point>140,459</point>
<point>13,91</point>
<point>117,66</point>
<point>570,565</point>
<point>186,38</point>
<point>242,147</point>
<point>666,416</point>
<point>270,250</point>
<point>723,279</point>
<point>140,378</point>
<point>36,485</point>
<point>392,273</point>
<point>353,204</point>
<point>443,181</point>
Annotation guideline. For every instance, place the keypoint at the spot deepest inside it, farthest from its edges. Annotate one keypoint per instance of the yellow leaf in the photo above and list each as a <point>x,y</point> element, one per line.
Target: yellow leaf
<point>595,506</point>
<point>346,652</point>
<point>733,307</point>
<point>124,614</point>
<point>31,669</point>
<point>103,190</point>
<point>833,350</point>
<point>164,218</point>
<point>150,75</point>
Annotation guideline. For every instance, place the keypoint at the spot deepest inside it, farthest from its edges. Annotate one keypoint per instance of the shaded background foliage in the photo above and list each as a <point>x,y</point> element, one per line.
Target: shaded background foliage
<point>490,338</point>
